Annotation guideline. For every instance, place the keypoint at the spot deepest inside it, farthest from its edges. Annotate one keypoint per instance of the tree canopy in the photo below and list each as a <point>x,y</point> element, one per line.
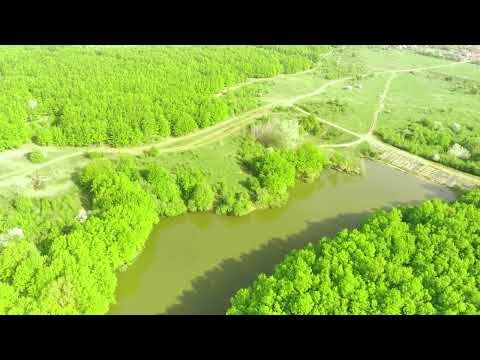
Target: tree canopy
<point>413,260</point>
<point>73,269</point>
<point>82,95</point>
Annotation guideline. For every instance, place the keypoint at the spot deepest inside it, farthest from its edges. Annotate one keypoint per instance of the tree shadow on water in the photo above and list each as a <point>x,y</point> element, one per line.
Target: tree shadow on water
<point>211,292</point>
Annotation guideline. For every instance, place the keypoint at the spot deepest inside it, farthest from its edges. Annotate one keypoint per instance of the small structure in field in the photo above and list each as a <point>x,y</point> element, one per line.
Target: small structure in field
<point>82,215</point>
<point>348,87</point>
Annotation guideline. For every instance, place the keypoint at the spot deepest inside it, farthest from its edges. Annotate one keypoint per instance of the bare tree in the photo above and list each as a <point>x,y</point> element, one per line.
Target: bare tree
<point>277,133</point>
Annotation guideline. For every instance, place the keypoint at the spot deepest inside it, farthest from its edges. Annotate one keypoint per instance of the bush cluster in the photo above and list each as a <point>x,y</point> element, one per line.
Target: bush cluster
<point>454,145</point>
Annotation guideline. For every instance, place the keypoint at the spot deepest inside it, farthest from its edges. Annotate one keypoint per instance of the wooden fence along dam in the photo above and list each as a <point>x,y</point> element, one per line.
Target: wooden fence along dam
<point>427,169</point>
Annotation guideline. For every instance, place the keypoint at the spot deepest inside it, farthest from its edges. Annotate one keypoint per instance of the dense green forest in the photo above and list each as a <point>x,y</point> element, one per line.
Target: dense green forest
<point>410,260</point>
<point>454,145</point>
<point>70,268</point>
<point>82,95</point>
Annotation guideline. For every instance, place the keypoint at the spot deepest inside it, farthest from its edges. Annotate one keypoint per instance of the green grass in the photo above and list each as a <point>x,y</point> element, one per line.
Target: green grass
<point>217,160</point>
<point>378,59</point>
<point>18,173</point>
<point>293,85</point>
<point>355,107</point>
<point>413,97</point>
<point>467,71</point>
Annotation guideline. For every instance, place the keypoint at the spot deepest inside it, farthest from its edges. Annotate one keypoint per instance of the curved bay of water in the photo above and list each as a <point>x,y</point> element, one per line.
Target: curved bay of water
<point>193,264</point>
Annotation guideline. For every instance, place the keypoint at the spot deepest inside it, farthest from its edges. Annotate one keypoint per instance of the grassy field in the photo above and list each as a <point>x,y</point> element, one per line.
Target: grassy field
<point>418,96</point>
<point>466,71</point>
<point>378,59</point>
<point>218,161</point>
<point>353,108</point>
<point>289,86</point>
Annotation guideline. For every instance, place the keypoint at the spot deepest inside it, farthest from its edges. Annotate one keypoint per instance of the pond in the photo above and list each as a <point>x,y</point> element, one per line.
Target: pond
<point>193,264</point>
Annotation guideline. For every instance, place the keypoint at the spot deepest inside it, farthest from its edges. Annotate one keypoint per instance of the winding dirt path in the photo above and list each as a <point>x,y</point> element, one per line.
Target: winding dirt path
<point>401,159</point>
<point>211,134</point>
<point>257,80</point>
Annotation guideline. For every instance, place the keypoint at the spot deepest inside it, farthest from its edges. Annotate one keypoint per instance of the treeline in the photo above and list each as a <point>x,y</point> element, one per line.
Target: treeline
<point>455,145</point>
<point>413,260</point>
<point>75,273</point>
<point>54,261</point>
<point>81,95</point>
<point>275,170</point>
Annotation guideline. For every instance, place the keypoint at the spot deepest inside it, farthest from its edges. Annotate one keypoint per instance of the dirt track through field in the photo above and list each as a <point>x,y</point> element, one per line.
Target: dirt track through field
<point>257,80</point>
<point>219,131</point>
<point>189,142</point>
<point>401,159</point>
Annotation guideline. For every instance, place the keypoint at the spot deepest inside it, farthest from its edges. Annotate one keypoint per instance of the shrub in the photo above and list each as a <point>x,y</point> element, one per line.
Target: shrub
<point>309,161</point>
<point>201,198</point>
<point>166,191</point>
<point>310,124</point>
<point>275,172</point>
<point>456,127</point>
<point>129,167</point>
<point>183,125</point>
<point>367,151</point>
<point>473,145</point>
<point>36,157</point>
<point>95,170</point>
<point>196,192</point>
<point>232,203</point>
<point>249,151</point>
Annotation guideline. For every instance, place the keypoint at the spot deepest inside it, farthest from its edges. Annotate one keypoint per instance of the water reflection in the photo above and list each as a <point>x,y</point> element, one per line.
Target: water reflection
<point>193,264</point>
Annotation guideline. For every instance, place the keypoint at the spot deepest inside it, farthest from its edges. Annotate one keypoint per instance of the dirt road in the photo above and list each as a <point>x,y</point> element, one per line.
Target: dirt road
<point>212,134</point>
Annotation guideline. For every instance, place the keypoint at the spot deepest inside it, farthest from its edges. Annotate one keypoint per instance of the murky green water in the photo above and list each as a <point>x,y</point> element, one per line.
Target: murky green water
<point>193,264</point>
